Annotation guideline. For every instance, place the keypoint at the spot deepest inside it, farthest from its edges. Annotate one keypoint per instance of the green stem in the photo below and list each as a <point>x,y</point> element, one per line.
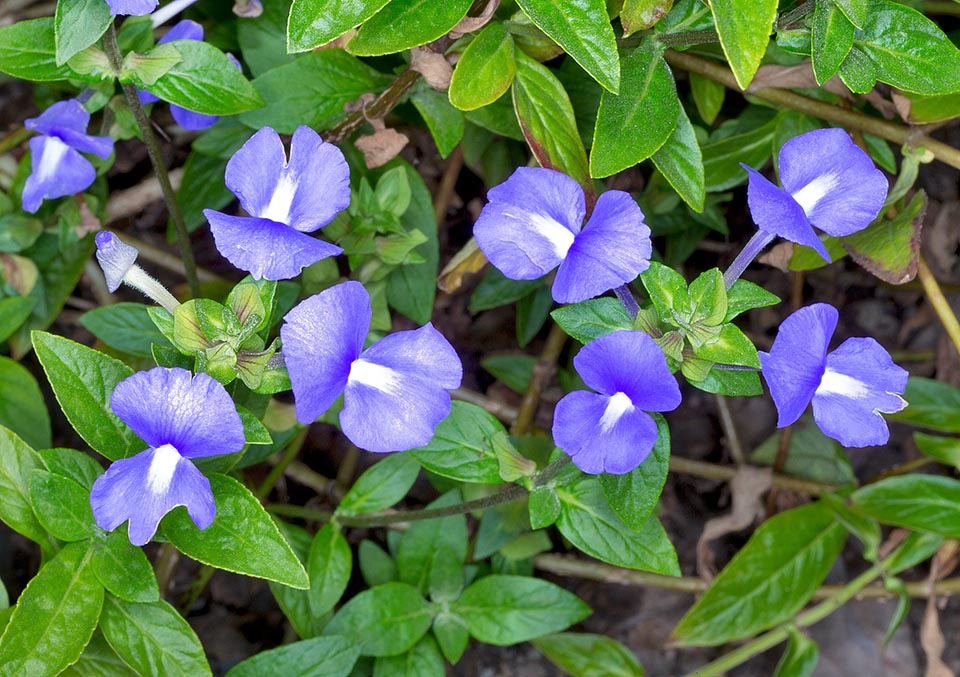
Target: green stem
<point>939,302</point>
<point>165,565</point>
<point>112,50</point>
<point>14,139</point>
<point>289,454</point>
<point>689,38</point>
<point>382,105</point>
<point>200,580</point>
<point>796,13</point>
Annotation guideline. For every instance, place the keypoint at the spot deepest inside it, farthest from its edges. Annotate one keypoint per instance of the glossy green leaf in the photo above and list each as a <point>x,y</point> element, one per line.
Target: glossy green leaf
<point>423,660</point>
<point>890,248</point>
<point>810,454</point>
<point>532,313</point>
<point>744,27</point>
<point>381,485</point>
<point>924,109</point>
<point>314,23</point>
<point>28,51</point>
<point>638,15</point>
<point>856,11</point>
<point>461,447</point>
<point>22,407</point>
<point>317,657</point>
<point>680,161</point>
<point>242,538</point>
<point>633,125</point>
<point>722,157</point>
<point>445,122</point>
<point>732,346</point>
<point>311,91</point>
<point>17,462</point>
<point>496,290</point>
<point>916,547</point>
<point>375,564</point>
<point>76,465</point>
<point>744,296</point>
<point>800,658</point>
<point>98,660</point>
<point>263,39</point>
<point>153,638</point>
<point>62,506</point>
<point>205,81</point>
<point>83,381</point>
<point>407,23</point>
<point>832,35</point>
<point>513,371</point>
<point>867,530</point>
<point>589,320</point>
<point>544,507</point>
<point>123,569</point>
<point>922,502</point>
<point>946,450</point>
<point>202,187</point>
<point>504,610</point>
<point>768,580</point>
<point>546,118</point>
<point>634,495</point>
<point>582,28</point>
<point>588,521</point>
<point>588,655</point>
<point>55,616</point>
<point>328,565</point>
<point>708,96</point>
<point>79,24</point>
<point>423,539</point>
<point>485,70</point>
<point>386,620</point>
<point>933,405</point>
<point>13,311</point>
<point>125,327</point>
<point>294,602</point>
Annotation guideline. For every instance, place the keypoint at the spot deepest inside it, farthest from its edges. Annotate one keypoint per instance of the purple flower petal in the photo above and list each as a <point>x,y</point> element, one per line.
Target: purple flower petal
<point>191,121</point>
<point>66,114</point>
<point>146,97</point>
<point>115,258</point>
<point>397,391</point>
<point>611,250</point>
<point>266,249</point>
<point>305,194</point>
<point>774,211</point>
<point>530,221</point>
<point>321,337</point>
<point>601,433</point>
<point>859,383</point>
<point>183,30</point>
<point>629,362</point>
<point>834,181</point>
<point>166,406</point>
<point>132,7</point>
<point>146,487</point>
<point>794,366</point>
<point>58,170</point>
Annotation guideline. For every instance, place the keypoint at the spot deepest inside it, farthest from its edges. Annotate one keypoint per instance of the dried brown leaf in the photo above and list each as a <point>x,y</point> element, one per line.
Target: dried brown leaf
<point>381,146</point>
<point>799,76</point>
<point>469,24</point>
<point>468,260</point>
<point>432,66</point>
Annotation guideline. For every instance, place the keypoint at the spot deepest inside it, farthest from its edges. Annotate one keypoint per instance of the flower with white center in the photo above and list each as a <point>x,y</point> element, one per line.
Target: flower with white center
<point>59,169</point>
<point>286,200</point>
<point>609,430</point>
<point>181,418</point>
<point>533,223</point>
<point>850,387</point>
<point>394,393</point>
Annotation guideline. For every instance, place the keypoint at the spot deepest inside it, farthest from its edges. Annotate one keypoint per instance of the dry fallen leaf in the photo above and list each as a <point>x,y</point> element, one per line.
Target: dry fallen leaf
<point>469,24</point>
<point>432,66</point>
<point>466,261</point>
<point>381,146</point>
<point>778,256</point>
<point>931,637</point>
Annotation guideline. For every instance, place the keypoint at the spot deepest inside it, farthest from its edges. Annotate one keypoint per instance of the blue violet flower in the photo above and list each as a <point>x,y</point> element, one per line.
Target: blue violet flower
<point>533,222</point>
<point>609,430</point>
<point>132,7</point>
<point>285,200</point>
<point>394,393</point>
<point>849,387</point>
<point>181,418</point>
<point>58,167</point>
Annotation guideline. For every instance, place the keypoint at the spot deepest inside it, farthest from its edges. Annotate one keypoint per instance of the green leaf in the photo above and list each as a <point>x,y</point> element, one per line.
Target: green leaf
<point>547,121</point>
<point>28,51</point>
<point>811,454</point>
<point>98,660</point>
<point>544,507</point>
<point>532,313</point>
<point>832,35</point>
<point>296,603</point>
<point>680,161</point>
<point>722,157</point>
<point>924,109</point>
<point>768,580</point>
<point>123,569</point>
<point>423,660</point>
<point>667,290</point>
<point>202,187</point>
<point>263,40</point>
<point>633,125</point>
<point>731,347</point>
<point>916,547</point>
<point>461,447</point>
<point>18,231</point>
<point>405,24</point>
<point>55,616</point>
<point>735,383</point>
<point>867,530</point>
<point>800,658</point>
<point>634,495</point>
<point>933,405</point>
<point>589,320</point>
<point>908,50</point>
<point>708,298</point>
<point>744,296</point>
<point>923,502</point>
<point>856,10</point>
<point>317,657</point>
<point>17,462</point>
<point>638,15</point>
<point>946,450</point>
<point>386,620</point>
<point>13,311</point>
<point>375,564</point>
<point>328,565</point>
<point>445,122</point>
<point>890,248</point>
<point>505,610</point>
<point>242,538</point>
<point>452,635</point>
<point>588,655</point>
<point>425,538</point>
<point>125,327</point>
<point>588,521</point>
<point>153,638</point>
<point>22,407</point>
<point>514,371</point>
<point>79,24</point>
<point>83,381</point>
<point>205,81</point>
<point>744,27</point>
<point>311,91</point>
<point>314,23</point>
<point>496,290</point>
<point>582,28</point>
<point>71,463</point>
<point>381,485</point>
<point>485,70</point>
<point>708,96</point>
<point>62,506</point>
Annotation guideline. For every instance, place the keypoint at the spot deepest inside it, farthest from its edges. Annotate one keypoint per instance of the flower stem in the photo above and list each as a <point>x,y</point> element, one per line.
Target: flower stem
<point>296,444</point>
<point>939,302</point>
<point>626,298</point>
<point>149,287</point>
<point>749,252</point>
<point>168,11</point>
<point>112,50</point>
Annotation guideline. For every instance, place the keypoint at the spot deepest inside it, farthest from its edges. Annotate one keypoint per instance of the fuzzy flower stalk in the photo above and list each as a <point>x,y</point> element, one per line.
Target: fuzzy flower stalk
<point>118,261</point>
